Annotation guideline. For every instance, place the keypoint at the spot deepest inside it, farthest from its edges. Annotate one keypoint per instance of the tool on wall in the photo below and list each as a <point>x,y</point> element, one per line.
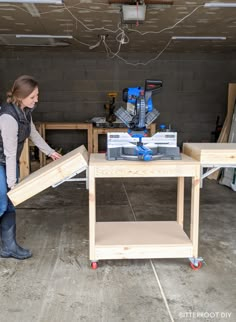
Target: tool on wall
<point>110,107</point>
<point>138,115</point>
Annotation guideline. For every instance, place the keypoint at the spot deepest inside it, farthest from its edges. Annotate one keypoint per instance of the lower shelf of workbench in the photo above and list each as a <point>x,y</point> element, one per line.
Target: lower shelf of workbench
<point>123,240</point>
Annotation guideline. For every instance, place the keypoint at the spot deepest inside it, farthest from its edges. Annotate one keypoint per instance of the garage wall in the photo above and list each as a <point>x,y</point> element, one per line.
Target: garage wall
<point>73,87</point>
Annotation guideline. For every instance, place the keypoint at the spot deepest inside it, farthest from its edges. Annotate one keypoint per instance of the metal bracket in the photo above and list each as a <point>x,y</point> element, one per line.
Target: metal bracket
<point>212,169</point>
<point>71,176</point>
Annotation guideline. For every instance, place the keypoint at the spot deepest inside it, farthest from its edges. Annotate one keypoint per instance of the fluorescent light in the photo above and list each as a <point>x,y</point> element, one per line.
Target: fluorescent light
<point>133,13</point>
<point>45,36</point>
<point>34,1</point>
<point>31,8</point>
<point>197,38</point>
<point>220,5</point>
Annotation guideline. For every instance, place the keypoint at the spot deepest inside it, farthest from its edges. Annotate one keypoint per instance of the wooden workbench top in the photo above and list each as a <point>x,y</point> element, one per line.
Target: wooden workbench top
<point>99,167</point>
<point>212,153</point>
<point>99,159</point>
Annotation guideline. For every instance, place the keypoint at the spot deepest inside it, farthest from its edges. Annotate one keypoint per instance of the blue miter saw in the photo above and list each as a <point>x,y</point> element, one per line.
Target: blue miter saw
<point>138,115</point>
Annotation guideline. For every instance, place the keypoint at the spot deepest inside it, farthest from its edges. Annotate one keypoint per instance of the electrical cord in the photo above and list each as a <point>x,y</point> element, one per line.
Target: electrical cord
<point>121,37</point>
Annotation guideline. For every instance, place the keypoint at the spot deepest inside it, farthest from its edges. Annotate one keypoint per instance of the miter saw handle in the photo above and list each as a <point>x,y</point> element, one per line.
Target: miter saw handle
<point>153,85</point>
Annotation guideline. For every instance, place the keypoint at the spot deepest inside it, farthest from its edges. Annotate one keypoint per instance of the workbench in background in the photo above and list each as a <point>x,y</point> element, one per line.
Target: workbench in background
<point>67,126</point>
<point>133,239</point>
<point>104,130</point>
<point>25,155</point>
<point>42,129</point>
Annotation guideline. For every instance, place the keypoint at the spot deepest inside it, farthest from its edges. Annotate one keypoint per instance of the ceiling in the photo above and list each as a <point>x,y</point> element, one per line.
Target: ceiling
<point>97,26</point>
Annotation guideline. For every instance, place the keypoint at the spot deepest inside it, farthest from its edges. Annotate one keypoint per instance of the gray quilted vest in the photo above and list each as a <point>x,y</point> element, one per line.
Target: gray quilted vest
<point>23,119</point>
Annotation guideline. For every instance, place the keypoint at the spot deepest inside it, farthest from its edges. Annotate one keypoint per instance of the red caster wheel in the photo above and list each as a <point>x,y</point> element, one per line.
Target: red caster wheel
<point>196,268</point>
<point>94,265</point>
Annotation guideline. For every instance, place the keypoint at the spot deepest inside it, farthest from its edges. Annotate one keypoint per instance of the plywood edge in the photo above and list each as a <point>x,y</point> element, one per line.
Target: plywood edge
<point>67,126</point>
<point>49,175</point>
<point>192,151</point>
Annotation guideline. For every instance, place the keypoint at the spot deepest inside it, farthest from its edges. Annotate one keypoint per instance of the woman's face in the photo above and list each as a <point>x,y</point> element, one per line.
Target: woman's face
<point>30,100</point>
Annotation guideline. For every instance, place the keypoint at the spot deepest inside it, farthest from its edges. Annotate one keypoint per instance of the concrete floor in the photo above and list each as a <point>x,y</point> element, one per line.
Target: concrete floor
<point>58,285</point>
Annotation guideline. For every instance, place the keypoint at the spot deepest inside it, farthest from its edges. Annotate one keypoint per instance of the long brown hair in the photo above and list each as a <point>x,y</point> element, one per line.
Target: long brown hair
<point>22,87</point>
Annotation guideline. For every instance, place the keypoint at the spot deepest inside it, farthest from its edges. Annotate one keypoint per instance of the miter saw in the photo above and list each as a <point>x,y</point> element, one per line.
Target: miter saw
<point>138,115</point>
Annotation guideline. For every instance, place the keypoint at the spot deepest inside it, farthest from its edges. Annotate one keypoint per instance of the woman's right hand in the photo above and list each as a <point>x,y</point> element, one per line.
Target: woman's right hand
<point>55,155</point>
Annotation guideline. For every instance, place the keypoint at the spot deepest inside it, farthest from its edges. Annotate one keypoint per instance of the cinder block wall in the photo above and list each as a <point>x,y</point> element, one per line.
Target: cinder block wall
<point>74,87</point>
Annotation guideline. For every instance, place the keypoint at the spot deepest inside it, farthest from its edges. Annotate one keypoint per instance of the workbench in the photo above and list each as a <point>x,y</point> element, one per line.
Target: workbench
<point>66,126</point>
<point>104,130</point>
<point>42,128</point>
<point>132,239</point>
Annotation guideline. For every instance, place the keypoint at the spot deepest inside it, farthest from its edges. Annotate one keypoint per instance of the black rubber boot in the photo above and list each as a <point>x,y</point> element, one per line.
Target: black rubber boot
<point>10,248</point>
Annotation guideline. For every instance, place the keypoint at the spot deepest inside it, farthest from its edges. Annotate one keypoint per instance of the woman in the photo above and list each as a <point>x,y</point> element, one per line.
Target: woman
<point>15,126</point>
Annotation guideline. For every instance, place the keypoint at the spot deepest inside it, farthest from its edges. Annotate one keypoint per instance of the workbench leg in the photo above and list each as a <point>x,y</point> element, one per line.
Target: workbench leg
<point>195,196</point>
<point>87,178</point>
<point>95,141</point>
<point>42,156</point>
<point>90,138</point>
<point>152,129</point>
<point>180,201</point>
<point>25,161</point>
<point>92,213</point>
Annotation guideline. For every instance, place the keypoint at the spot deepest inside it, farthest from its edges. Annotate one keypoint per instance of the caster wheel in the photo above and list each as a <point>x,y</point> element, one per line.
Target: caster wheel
<point>196,268</point>
<point>94,265</point>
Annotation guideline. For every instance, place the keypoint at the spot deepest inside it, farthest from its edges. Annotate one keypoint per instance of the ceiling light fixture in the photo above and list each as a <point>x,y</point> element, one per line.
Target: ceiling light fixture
<point>220,5</point>
<point>34,1</point>
<point>45,36</point>
<point>197,38</point>
<point>133,13</point>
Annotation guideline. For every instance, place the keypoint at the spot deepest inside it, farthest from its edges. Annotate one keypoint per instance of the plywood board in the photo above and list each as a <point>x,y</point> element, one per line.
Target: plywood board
<point>49,175</point>
<point>211,153</point>
<point>117,240</point>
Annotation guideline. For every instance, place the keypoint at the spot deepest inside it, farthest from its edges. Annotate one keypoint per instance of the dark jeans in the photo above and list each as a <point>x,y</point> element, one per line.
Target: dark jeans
<point>6,205</point>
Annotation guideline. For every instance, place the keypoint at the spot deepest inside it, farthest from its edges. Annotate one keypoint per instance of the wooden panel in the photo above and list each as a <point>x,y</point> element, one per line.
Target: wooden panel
<point>141,240</point>
<point>211,153</point>
<point>50,175</point>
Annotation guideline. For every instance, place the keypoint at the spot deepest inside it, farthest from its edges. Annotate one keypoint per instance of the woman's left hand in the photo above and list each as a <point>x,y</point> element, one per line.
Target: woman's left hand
<point>55,155</point>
